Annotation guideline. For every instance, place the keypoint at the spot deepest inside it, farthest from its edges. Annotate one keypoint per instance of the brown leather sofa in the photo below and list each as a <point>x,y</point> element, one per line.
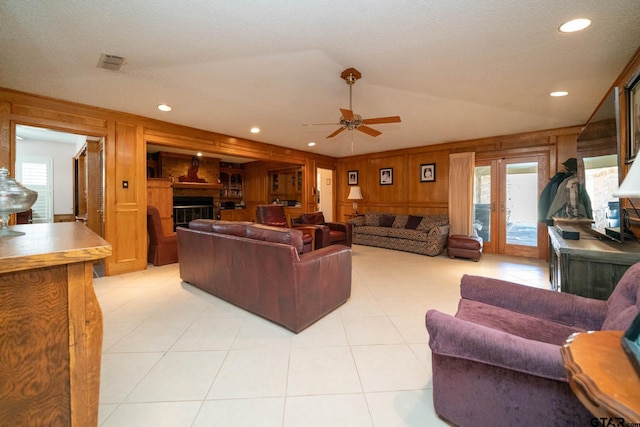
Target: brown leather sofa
<point>327,233</point>
<point>262,269</point>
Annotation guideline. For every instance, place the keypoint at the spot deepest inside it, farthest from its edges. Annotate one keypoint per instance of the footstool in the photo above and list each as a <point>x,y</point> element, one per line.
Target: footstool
<point>464,247</point>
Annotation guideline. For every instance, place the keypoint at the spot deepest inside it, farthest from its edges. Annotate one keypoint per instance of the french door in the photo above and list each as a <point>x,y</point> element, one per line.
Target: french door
<point>505,199</point>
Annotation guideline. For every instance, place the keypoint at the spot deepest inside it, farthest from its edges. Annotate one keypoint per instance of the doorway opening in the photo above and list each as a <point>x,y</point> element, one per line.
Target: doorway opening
<point>325,193</point>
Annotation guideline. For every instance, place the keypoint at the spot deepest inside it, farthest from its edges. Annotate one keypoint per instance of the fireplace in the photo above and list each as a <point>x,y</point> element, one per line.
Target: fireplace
<point>188,208</point>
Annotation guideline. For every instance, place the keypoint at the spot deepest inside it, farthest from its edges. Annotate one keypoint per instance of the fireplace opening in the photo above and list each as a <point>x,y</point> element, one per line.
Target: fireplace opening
<point>188,208</point>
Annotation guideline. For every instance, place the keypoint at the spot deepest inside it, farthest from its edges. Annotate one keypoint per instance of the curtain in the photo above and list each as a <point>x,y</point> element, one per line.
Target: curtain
<point>461,167</point>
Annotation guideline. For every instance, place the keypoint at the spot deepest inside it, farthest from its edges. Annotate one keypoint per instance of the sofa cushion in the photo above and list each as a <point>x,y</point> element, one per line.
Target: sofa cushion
<point>374,231</point>
<point>372,219</point>
<point>386,220</point>
<point>233,228</point>
<point>400,221</point>
<point>413,222</point>
<point>288,236</point>
<point>511,322</point>
<point>314,218</point>
<point>430,221</point>
<point>201,224</point>
<point>408,234</point>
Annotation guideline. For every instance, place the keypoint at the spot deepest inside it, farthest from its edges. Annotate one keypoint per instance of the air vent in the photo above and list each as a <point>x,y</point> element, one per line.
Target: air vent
<point>110,62</point>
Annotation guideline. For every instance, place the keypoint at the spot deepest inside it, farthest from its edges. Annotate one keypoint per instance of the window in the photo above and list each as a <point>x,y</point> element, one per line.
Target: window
<point>601,180</point>
<point>37,174</point>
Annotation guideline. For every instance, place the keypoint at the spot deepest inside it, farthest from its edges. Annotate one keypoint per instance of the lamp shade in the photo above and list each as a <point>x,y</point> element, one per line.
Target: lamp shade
<point>355,193</point>
<point>630,187</point>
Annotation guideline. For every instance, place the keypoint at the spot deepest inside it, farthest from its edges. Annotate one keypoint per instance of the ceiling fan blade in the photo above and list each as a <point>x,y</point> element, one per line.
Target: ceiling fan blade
<point>336,132</point>
<point>368,130</point>
<point>321,124</point>
<point>381,120</point>
<point>347,114</point>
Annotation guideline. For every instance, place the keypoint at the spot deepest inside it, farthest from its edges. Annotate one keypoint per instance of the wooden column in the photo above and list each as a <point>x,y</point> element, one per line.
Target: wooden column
<point>50,326</point>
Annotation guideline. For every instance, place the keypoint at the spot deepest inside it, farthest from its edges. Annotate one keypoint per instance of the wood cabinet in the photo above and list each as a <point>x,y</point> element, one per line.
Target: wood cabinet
<point>588,267</point>
<point>285,184</point>
<point>232,181</point>
<point>160,195</point>
<point>235,215</point>
<point>51,330</point>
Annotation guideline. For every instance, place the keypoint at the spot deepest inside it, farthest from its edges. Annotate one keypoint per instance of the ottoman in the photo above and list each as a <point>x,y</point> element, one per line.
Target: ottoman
<point>464,247</point>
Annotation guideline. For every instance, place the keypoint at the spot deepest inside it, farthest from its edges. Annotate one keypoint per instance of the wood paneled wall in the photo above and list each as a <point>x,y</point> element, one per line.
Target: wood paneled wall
<point>408,195</point>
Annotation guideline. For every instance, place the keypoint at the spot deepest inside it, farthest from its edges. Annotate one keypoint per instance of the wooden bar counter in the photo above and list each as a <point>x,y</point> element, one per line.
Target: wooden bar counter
<point>50,326</point>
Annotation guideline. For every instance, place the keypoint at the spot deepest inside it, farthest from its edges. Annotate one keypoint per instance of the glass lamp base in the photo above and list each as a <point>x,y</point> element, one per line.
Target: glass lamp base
<point>5,231</point>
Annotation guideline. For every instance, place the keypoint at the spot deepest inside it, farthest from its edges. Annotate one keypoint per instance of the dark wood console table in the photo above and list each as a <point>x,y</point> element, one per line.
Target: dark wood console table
<point>51,326</point>
<point>602,377</point>
<point>589,267</point>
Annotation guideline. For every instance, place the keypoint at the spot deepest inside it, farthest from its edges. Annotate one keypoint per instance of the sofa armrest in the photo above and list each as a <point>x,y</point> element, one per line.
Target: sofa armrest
<point>321,233</point>
<point>339,226</point>
<point>453,337</point>
<point>345,227</point>
<point>569,309</point>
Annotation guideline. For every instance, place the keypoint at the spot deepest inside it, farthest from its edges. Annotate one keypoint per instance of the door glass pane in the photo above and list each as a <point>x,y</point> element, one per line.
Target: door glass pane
<point>522,204</point>
<point>482,202</point>
<point>601,180</point>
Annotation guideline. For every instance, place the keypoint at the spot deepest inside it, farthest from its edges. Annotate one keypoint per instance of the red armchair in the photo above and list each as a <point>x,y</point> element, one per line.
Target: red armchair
<point>163,248</point>
<point>327,233</point>
<point>274,216</point>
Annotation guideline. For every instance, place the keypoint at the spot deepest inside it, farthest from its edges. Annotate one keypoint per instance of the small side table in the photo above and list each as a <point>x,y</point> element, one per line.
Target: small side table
<point>352,215</point>
<point>601,376</point>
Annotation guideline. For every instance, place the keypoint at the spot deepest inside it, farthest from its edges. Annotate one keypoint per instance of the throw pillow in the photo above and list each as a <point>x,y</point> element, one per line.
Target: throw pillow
<point>372,219</point>
<point>400,221</point>
<point>357,221</point>
<point>413,222</point>
<point>387,220</point>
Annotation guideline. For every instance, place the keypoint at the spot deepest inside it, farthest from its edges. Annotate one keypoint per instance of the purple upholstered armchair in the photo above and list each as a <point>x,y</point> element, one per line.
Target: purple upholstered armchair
<point>498,361</point>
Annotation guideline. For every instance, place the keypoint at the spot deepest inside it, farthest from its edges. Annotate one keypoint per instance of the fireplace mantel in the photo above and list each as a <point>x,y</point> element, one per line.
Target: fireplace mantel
<point>197,185</point>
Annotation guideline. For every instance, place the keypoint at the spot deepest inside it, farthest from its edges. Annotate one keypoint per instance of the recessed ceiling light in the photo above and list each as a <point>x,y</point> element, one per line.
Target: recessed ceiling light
<point>199,154</point>
<point>559,93</point>
<point>311,144</point>
<point>164,107</point>
<point>255,130</point>
<point>574,25</point>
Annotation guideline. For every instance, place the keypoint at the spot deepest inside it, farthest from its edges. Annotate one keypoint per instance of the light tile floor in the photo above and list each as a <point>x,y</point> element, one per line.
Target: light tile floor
<point>176,356</point>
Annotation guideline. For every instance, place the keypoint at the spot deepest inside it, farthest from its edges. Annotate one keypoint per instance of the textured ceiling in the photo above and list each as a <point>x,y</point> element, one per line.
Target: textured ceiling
<point>453,70</point>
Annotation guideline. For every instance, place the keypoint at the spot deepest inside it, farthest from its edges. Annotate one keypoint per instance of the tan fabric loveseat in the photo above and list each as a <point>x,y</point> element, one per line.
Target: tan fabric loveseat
<point>422,234</point>
<point>262,269</point>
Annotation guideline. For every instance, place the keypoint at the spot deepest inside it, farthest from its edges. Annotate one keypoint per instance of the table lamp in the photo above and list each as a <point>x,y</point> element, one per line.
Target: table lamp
<point>355,194</point>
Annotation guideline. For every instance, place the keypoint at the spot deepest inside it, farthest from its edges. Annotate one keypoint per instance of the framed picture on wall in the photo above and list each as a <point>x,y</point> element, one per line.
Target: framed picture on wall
<point>633,111</point>
<point>352,177</point>
<point>386,176</point>
<point>428,172</point>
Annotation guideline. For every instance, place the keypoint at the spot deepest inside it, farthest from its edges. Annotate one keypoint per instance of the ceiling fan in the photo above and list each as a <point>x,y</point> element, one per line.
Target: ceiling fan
<point>349,120</point>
